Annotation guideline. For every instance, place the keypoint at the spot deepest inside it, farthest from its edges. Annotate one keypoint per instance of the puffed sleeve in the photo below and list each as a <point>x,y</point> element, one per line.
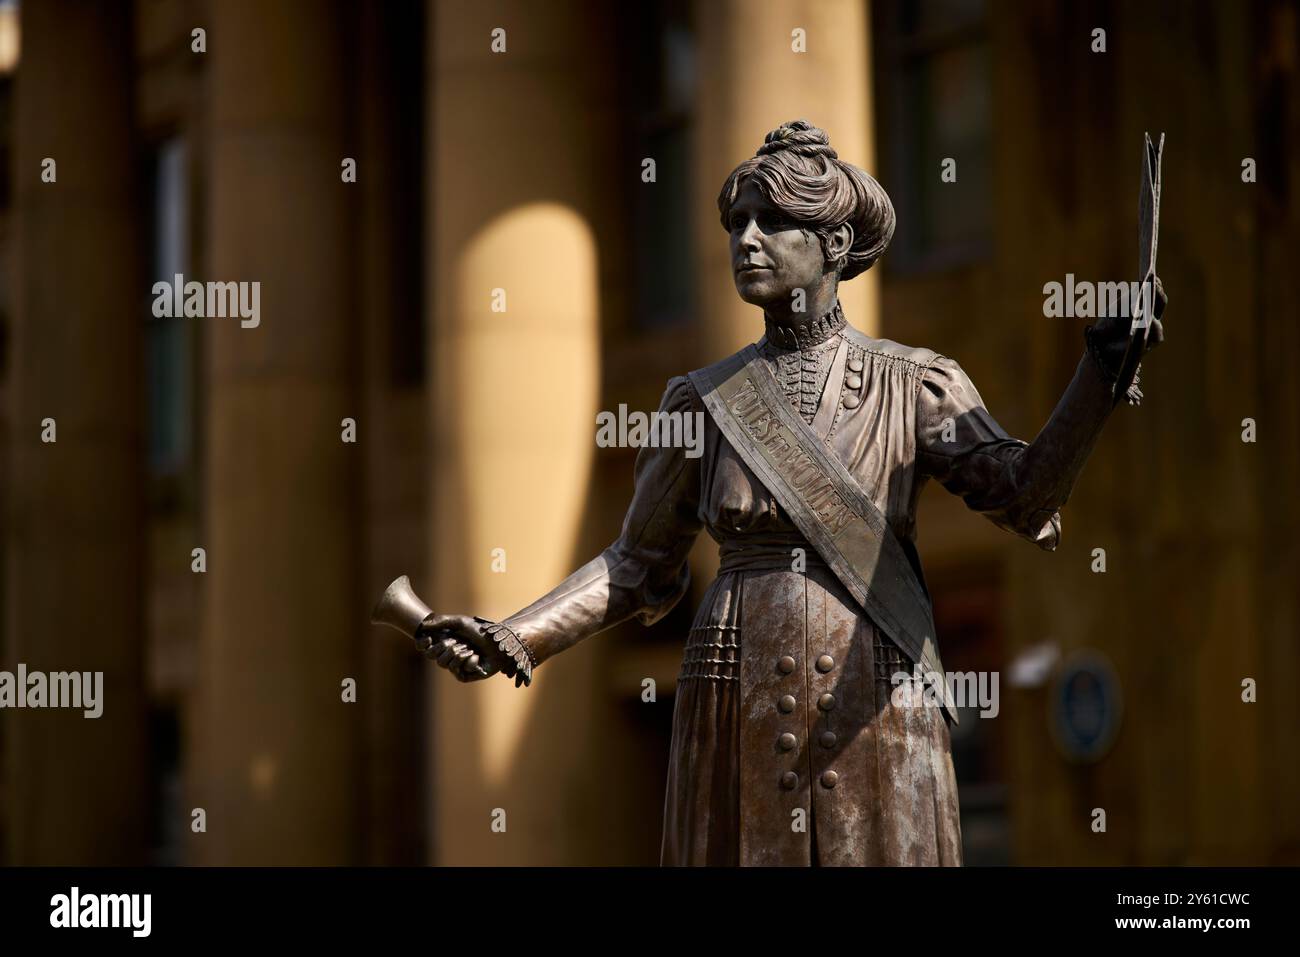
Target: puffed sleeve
<point>1019,486</point>
<point>644,572</point>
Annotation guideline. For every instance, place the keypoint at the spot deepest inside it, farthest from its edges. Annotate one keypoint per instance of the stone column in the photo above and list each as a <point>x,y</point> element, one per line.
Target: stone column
<point>277,770</point>
<point>752,81</point>
<point>77,789</point>
<point>520,148</point>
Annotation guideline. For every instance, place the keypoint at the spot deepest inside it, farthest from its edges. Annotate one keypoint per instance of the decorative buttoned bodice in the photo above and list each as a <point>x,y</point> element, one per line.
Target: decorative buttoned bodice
<point>800,357</point>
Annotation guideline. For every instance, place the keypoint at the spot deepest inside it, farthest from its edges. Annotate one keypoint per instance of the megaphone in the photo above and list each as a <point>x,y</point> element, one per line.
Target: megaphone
<point>401,608</point>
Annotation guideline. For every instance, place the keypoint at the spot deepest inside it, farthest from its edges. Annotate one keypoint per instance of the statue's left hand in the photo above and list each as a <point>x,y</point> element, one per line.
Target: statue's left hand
<point>1113,331</point>
<point>1108,338</point>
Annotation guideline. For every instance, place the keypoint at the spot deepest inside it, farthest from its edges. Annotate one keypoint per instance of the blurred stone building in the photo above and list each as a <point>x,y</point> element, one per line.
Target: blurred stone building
<point>499,147</point>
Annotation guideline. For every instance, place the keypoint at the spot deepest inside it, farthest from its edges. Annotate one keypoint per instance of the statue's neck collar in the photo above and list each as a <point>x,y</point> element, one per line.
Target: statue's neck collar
<point>808,332</point>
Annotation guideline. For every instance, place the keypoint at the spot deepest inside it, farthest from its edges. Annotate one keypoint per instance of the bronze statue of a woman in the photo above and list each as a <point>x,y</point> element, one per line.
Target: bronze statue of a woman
<point>818,441</point>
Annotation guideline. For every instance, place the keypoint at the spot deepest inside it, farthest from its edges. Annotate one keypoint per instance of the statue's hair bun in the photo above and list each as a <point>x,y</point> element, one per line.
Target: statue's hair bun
<point>798,136</point>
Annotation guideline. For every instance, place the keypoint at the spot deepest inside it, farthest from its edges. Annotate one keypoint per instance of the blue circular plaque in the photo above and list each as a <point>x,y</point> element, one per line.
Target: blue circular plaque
<point>1085,706</point>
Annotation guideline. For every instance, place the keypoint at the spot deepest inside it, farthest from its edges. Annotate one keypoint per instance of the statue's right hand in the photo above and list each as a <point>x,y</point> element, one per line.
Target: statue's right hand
<point>457,643</point>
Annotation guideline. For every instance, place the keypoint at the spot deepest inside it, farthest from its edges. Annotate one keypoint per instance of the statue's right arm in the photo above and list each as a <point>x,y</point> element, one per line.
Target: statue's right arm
<point>644,572</point>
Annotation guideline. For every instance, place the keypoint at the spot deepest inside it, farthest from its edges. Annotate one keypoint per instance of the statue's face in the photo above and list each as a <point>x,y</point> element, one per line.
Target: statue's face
<point>770,255</point>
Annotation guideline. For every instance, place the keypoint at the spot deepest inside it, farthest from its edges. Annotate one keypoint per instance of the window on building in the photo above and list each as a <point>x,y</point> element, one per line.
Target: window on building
<point>661,82</point>
<point>169,341</point>
<point>968,622</point>
<point>168,839</point>
<point>402,42</point>
<point>933,105</point>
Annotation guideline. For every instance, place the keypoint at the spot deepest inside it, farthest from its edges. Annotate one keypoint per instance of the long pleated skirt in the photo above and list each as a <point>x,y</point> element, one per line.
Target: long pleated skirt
<point>789,745</point>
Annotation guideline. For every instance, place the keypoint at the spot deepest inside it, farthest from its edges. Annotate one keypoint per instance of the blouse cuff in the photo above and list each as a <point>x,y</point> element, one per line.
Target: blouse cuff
<point>511,645</point>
